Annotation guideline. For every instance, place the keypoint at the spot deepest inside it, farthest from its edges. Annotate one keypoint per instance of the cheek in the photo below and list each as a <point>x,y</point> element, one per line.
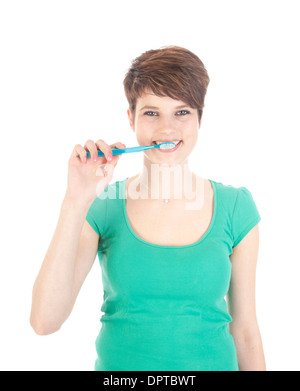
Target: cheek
<point>142,138</point>
<point>191,134</point>
<point>143,131</point>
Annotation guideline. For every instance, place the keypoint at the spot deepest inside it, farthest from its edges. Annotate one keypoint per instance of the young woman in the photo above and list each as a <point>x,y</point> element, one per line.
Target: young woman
<point>171,244</point>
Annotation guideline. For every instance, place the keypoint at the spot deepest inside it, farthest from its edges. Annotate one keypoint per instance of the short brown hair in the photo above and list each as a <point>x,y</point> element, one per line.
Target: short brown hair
<point>169,71</point>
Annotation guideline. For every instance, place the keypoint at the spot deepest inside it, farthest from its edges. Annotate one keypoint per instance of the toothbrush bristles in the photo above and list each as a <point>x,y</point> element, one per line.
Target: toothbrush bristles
<point>167,145</point>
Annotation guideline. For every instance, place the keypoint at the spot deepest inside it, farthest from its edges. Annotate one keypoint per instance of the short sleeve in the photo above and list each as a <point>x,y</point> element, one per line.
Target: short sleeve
<point>96,215</point>
<point>245,215</point>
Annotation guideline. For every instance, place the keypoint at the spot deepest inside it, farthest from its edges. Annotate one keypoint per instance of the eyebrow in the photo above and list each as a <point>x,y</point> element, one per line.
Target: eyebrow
<point>157,108</point>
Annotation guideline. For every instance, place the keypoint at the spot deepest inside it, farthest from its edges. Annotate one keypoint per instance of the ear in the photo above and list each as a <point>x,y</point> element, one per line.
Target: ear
<point>130,117</point>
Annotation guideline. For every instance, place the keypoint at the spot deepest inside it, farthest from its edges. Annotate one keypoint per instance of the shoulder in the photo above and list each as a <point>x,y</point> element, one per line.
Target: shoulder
<point>112,191</point>
<point>226,194</point>
<point>106,207</point>
<point>232,192</point>
<point>236,200</point>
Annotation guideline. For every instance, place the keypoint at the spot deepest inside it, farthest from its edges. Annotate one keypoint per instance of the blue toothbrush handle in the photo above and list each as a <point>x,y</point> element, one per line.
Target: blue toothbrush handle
<point>117,151</point>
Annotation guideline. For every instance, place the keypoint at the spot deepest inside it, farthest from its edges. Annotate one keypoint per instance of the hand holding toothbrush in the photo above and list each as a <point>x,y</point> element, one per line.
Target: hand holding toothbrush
<point>88,177</point>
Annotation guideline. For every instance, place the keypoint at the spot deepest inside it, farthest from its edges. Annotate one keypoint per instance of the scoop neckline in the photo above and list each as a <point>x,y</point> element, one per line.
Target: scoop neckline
<point>200,241</point>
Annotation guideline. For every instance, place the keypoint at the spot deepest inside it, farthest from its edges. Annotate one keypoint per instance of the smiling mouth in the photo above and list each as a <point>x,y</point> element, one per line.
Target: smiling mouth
<point>164,141</point>
<point>177,142</point>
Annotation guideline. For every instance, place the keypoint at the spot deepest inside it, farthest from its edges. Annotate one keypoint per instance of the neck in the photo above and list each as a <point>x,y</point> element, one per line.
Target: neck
<point>165,181</point>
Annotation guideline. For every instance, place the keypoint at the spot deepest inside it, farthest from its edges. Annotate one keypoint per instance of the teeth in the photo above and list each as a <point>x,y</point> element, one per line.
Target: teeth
<point>160,142</point>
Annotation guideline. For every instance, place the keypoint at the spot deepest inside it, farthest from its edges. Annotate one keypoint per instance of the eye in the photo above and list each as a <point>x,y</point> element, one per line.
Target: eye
<point>154,113</point>
<point>150,113</point>
<point>183,111</point>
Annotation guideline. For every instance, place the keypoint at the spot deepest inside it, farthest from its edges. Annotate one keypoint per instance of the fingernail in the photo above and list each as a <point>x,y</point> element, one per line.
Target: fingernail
<point>95,157</point>
<point>109,157</point>
<point>84,159</point>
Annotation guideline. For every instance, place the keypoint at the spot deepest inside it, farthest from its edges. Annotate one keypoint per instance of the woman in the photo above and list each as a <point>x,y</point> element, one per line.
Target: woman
<point>171,244</point>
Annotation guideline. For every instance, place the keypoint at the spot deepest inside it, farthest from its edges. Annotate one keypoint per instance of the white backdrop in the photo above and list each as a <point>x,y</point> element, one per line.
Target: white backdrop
<point>61,72</point>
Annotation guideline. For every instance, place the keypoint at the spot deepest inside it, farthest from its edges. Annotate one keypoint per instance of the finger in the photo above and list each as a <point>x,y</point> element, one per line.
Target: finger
<point>105,148</point>
<point>79,150</point>
<point>118,145</point>
<point>92,148</point>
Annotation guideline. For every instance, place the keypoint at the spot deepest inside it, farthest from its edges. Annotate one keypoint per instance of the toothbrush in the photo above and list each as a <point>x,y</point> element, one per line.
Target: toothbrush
<point>116,151</point>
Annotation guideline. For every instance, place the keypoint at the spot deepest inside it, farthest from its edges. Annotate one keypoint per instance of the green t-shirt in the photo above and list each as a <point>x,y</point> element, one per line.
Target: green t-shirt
<point>164,306</point>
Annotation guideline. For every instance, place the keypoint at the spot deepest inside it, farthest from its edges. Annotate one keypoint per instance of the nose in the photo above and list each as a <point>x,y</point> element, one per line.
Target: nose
<point>167,126</point>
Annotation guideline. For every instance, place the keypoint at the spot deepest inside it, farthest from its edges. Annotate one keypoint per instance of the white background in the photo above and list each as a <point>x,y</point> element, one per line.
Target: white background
<point>62,67</point>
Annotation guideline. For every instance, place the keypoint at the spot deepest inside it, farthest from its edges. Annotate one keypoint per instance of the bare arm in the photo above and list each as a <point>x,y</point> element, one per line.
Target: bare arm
<point>68,260</point>
<point>74,245</point>
<point>241,299</point>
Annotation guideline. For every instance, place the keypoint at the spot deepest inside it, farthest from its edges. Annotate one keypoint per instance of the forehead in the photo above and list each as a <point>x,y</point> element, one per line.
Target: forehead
<point>150,99</point>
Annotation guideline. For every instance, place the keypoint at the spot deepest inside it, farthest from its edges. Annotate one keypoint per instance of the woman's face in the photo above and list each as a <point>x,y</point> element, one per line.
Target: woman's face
<point>159,119</point>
